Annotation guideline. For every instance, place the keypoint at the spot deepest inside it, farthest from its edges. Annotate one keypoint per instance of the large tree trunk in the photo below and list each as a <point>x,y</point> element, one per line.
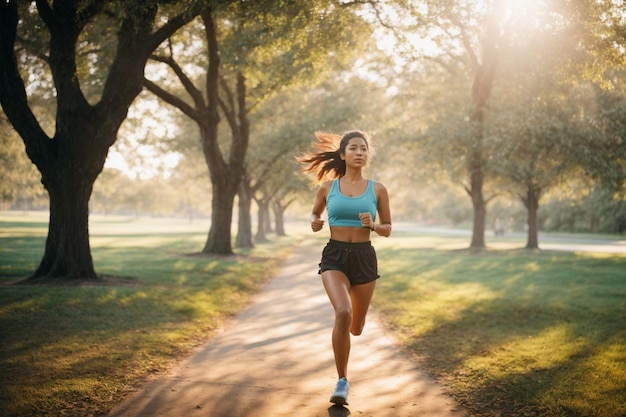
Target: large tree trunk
<point>219,239</point>
<point>68,254</point>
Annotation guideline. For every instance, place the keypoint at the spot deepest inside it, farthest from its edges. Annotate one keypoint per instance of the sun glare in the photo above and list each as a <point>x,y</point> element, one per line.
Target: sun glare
<point>139,152</point>
<point>517,11</point>
<point>147,165</point>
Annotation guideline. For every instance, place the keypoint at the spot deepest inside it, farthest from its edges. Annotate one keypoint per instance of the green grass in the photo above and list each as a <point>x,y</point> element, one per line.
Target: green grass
<point>75,350</point>
<point>510,332</point>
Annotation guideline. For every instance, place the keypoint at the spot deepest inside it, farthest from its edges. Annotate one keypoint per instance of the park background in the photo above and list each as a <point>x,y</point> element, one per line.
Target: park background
<point>482,113</point>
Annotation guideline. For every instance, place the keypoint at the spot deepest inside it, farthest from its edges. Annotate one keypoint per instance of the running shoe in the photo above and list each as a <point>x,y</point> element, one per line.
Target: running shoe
<point>340,396</point>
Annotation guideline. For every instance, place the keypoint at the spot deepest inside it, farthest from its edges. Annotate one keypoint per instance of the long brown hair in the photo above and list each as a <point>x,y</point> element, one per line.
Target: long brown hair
<point>326,162</point>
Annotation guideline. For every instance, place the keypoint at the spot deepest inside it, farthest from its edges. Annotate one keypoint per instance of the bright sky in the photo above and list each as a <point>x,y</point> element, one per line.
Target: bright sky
<point>149,165</point>
<point>133,153</point>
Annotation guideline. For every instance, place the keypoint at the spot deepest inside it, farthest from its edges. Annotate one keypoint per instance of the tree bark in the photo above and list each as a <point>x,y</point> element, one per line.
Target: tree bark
<point>244,225</point>
<point>67,254</point>
<point>479,206</point>
<point>279,219</point>
<point>219,238</point>
<point>531,202</point>
<point>263,219</point>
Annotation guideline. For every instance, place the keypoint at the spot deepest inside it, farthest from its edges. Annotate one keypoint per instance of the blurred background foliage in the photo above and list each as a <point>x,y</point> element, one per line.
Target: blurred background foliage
<point>555,122</point>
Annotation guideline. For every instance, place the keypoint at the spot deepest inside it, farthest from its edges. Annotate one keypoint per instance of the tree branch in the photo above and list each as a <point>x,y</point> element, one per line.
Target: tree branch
<point>12,90</point>
<point>172,99</point>
<point>191,89</point>
<point>228,106</point>
<point>168,29</point>
<point>45,11</point>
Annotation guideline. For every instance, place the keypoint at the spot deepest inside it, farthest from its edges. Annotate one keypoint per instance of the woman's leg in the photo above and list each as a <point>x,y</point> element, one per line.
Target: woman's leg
<point>361,296</point>
<point>337,287</point>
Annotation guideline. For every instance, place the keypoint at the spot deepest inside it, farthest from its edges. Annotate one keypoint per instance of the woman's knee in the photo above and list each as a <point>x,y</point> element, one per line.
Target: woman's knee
<point>357,328</point>
<point>343,316</point>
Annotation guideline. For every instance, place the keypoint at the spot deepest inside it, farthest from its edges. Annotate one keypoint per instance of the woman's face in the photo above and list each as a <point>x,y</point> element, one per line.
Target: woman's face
<point>356,152</point>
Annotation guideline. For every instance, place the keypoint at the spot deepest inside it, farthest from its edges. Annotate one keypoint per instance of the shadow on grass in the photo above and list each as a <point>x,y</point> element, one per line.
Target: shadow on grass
<point>517,332</point>
<point>19,257</point>
<point>116,332</point>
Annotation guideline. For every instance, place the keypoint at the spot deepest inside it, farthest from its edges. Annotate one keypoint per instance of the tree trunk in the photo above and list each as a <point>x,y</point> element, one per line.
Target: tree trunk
<point>480,208</point>
<point>219,239</point>
<point>67,254</point>
<point>268,220</point>
<point>531,201</point>
<point>279,220</point>
<point>244,226</point>
<point>263,218</point>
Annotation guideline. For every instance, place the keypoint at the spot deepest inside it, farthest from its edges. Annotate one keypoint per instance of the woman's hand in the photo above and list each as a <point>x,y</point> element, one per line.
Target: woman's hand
<point>366,220</point>
<point>316,223</point>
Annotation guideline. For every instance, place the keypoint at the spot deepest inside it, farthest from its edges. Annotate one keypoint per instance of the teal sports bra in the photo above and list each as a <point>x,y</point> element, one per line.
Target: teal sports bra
<point>344,211</point>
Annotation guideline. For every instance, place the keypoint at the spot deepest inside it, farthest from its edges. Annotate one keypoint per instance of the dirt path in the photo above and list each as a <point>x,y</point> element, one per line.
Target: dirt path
<point>275,359</point>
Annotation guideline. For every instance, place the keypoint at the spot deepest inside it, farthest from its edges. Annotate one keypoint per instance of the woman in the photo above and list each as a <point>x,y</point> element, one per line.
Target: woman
<point>349,266</point>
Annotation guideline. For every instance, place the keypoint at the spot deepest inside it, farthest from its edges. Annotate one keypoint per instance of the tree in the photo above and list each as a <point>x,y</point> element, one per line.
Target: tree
<point>242,40</point>
<point>72,158</point>
<point>474,38</point>
<point>540,119</point>
<point>225,173</point>
<point>535,142</point>
<point>469,35</point>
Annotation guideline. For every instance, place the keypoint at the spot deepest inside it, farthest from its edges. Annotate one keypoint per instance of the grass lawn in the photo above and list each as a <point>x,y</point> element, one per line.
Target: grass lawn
<point>74,351</point>
<point>511,332</point>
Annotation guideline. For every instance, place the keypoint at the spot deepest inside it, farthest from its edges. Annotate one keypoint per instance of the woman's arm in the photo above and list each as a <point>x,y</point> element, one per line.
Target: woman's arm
<point>318,207</point>
<point>384,212</point>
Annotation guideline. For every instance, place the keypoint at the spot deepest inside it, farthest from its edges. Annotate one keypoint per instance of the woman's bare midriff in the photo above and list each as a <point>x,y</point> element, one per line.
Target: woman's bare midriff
<point>350,234</point>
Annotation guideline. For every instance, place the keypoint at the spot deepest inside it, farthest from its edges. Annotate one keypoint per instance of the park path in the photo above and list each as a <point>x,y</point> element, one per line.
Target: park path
<point>275,359</point>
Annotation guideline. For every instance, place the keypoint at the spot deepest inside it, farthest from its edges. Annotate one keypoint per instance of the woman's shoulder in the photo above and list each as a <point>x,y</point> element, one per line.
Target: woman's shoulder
<point>326,186</point>
<point>377,184</point>
<point>379,188</point>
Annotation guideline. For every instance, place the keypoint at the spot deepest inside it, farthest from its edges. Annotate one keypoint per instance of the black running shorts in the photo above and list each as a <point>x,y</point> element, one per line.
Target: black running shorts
<point>356,260</point>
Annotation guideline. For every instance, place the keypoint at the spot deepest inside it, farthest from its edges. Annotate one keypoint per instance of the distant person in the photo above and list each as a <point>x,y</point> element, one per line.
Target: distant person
<point>348,266</point>
<point>498,229</point>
